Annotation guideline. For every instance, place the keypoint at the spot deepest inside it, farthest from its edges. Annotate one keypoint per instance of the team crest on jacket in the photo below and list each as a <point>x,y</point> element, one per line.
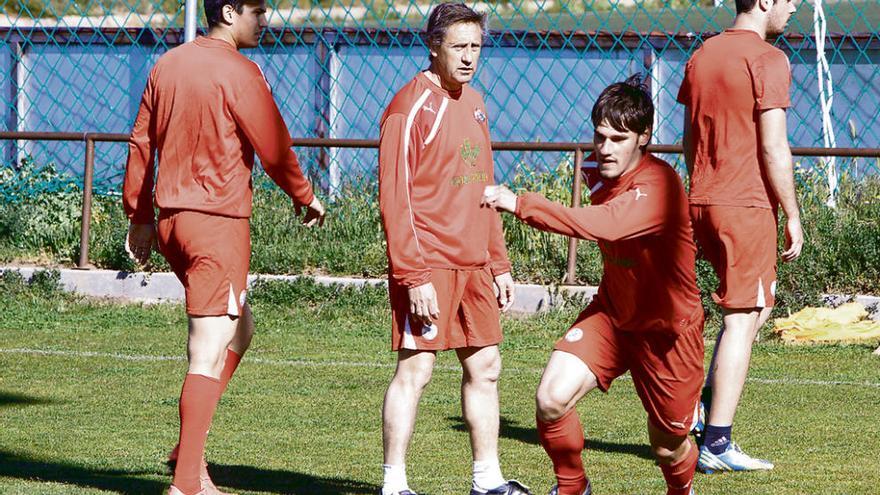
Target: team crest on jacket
<point>469,152</point>
<point>479,116</point>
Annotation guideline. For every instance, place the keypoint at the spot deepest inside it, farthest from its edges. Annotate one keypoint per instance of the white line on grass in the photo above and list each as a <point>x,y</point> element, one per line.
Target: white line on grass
<point>355,364</point>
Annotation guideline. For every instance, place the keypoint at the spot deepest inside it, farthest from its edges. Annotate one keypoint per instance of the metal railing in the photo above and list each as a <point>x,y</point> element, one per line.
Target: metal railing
<point>90,138</point>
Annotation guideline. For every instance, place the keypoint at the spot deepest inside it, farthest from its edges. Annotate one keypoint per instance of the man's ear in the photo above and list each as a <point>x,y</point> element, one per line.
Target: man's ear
<point>227,14</point>
<point>765,5</point>
<point>645,137</point>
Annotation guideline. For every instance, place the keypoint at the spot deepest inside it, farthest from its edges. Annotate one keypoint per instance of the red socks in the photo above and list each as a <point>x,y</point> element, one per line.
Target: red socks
<point>229,367</point>
<point>680,475</point>
<point>198,401</point>
<point>563,440</point>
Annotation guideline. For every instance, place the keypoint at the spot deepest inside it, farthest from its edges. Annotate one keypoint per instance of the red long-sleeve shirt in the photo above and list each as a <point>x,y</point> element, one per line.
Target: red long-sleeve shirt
<point>641,223</point>
<point>435,158</point>
<point>204,112</point>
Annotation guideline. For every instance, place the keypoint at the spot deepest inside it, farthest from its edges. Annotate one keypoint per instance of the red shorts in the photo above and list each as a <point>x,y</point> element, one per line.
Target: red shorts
<point>667,368</point>
<point>740,243</point>
<point>469,314</point>
<point>210,255</point>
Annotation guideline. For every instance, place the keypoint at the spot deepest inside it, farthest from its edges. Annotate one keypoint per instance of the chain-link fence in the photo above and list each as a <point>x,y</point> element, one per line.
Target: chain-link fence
<point>81,65</point>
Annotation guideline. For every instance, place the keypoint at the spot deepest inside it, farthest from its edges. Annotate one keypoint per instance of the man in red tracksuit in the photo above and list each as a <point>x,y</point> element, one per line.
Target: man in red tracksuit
<point>206,109</point>
<point>646,317</point>
<point>446,254</point>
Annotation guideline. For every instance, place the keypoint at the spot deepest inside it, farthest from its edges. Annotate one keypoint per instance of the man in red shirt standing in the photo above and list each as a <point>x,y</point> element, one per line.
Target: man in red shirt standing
<point>206,109</point>
<point>646,317</point>
<point>736,90</point>
<point>445,252</point>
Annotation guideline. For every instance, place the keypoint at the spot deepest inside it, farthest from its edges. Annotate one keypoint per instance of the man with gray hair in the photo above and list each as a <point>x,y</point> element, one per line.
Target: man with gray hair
<point>446,253</point>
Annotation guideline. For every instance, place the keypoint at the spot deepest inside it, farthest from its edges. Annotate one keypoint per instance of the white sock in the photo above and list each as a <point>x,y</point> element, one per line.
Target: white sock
<point>394,478</point>
<point>487,475</point>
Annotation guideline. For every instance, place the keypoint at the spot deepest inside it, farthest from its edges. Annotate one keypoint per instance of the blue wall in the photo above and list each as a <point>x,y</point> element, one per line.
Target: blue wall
<point>531,95</point>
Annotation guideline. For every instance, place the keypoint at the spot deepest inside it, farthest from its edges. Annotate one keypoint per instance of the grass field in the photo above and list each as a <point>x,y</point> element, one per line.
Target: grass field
<point>88,394</point>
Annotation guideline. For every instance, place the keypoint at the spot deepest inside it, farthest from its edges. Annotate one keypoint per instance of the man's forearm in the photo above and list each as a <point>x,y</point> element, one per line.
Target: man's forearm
<point>776,155</point>
<point>780,174</point>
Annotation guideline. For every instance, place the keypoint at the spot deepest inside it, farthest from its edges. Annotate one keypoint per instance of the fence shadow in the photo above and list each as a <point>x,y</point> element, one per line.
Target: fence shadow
<point>125,482</point>
<point>641,450</point>
<point>289,482</point>
<point>508,429</point>
<point>134,482</point>
<point>16,399</point>
<point>528,434</point>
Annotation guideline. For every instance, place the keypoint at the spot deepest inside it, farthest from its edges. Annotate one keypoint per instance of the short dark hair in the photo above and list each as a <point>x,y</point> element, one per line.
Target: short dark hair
<point>743,6</point>
<point>447,14</point>
<point>625,106</point>
<point>214,9</point>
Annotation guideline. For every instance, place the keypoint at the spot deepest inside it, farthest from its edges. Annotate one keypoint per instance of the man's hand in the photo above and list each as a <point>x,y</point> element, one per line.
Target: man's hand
<point>139,241</point>
<point>500,198</point>
<point>504,283</point>
<point>423,303</point>
<point>794,239</point>
<point>314,213</point>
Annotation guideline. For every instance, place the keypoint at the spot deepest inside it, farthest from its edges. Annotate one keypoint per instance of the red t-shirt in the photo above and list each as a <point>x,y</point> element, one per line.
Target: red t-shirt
<point>642,225</point>
<point>435,158</point>
<point>204,112</point>
<point>727,83</point>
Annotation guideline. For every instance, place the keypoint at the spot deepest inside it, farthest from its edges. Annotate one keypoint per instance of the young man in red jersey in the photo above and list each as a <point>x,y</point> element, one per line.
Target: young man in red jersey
<point>446,254</point>
<point>646,317</point>
<point>736,90</point>
<point>206,109</point>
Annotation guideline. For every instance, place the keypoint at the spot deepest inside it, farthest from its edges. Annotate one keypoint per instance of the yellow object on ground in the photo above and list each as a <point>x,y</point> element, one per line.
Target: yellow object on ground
<point>846,323</point>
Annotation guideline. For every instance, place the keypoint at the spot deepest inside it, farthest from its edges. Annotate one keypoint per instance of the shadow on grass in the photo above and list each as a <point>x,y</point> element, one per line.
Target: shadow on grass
<point>514,431</point>
<point>124,482</point>
<point>508,429</point>
<point>14,399</point>
<point>249,478</point>
<point>275,481</point>
<point>637,449</point>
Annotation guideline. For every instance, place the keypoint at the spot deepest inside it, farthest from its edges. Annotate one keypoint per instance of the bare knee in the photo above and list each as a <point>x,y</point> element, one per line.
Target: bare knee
<point>742,322</point>
<point>413,378</point>
<point>208,339</point>
<point>670,452</point>
<point>206,361</point>
<point>550,406</point>
<point>488,372</point>
<point>565,380</point>
<point>663,454</point>
<point>419,380</point>
<point>207,357</point>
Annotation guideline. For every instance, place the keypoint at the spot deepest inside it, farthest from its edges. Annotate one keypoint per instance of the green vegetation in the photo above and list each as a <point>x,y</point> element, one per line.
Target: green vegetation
<point>39,223</point>
<point>88,397</point>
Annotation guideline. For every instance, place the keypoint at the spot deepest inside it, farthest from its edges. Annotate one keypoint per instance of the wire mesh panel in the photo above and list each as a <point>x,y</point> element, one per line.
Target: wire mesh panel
<point>81,65</point>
